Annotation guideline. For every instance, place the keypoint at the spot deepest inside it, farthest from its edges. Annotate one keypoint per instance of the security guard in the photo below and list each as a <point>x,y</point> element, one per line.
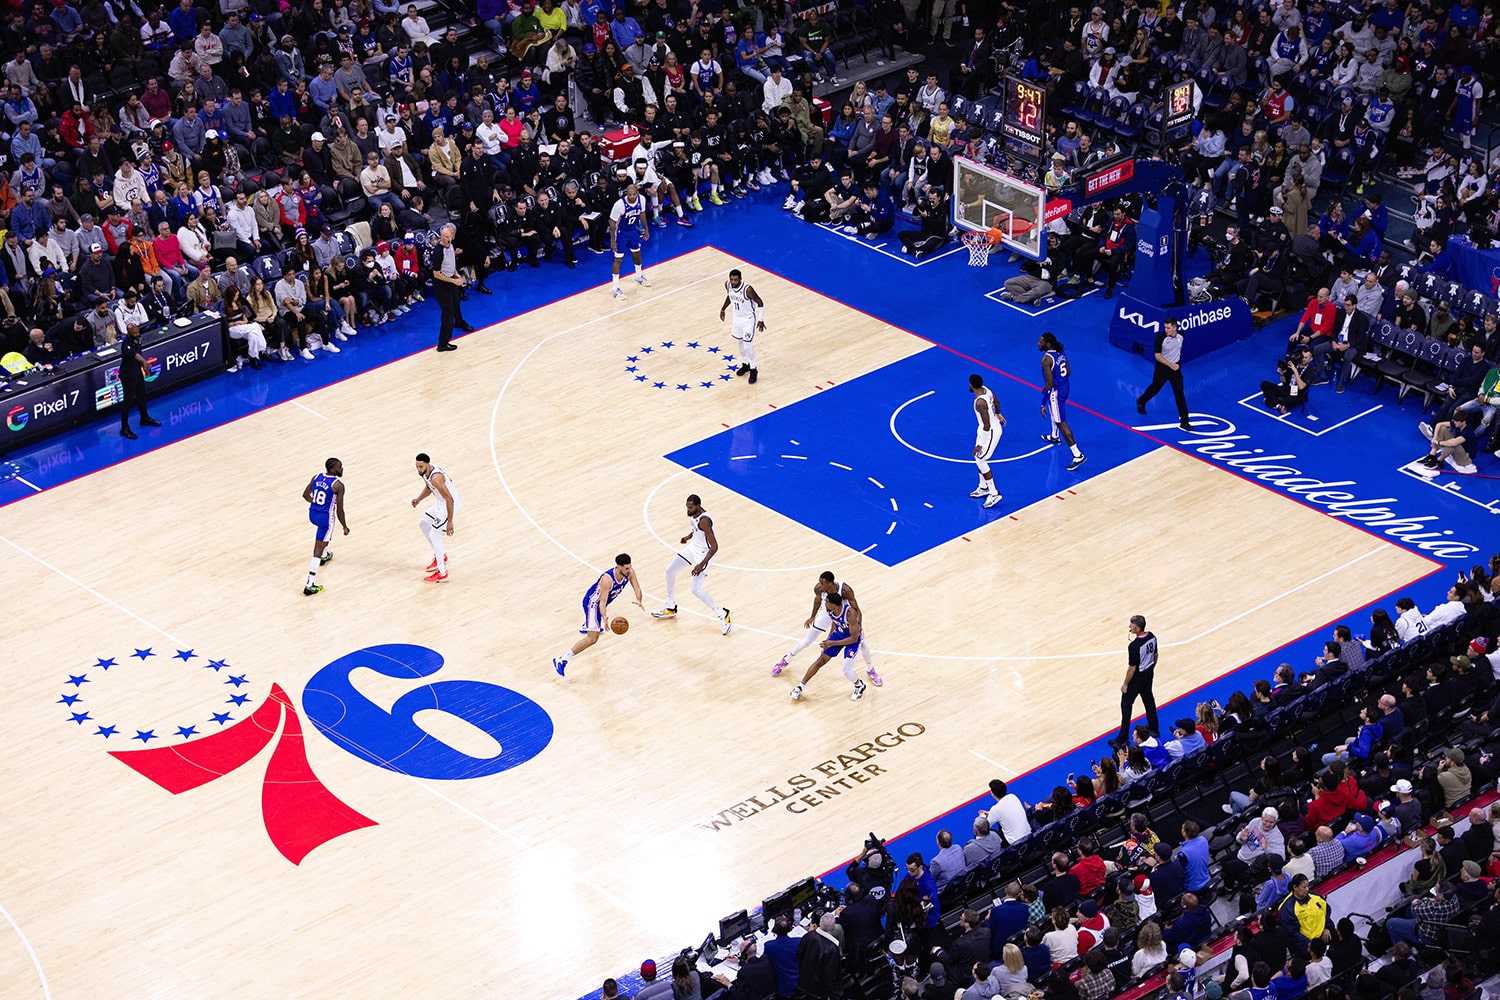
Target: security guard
<point>133,371</point>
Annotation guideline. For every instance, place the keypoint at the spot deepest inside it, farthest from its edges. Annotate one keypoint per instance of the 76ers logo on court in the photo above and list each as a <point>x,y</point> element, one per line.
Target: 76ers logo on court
<point>300,813</point>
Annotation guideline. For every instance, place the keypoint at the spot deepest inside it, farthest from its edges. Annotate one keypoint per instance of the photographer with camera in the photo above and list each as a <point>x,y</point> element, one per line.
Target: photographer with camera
<point>871,871</point>
<point>1290,389</point>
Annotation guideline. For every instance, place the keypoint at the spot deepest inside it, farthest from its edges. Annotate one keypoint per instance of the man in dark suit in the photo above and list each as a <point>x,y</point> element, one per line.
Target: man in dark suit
<point>1007,918</point>
<point>971,948</point>
<point>819,963</point>
<point>1351,331</point>
<point>860,919</point>
<point>756,979</point>
<point>1062,888</point>
<point>1167,877</point>
<point>972,76</point>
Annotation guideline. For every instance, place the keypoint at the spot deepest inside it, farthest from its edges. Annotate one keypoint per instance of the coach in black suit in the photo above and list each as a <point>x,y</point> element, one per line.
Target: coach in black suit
<point>1351,331</point>
<point>447,285</point>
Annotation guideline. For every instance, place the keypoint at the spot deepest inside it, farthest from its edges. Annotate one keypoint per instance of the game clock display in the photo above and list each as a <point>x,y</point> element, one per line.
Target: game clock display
<point>1178,113</point>
<point>1025,123</point>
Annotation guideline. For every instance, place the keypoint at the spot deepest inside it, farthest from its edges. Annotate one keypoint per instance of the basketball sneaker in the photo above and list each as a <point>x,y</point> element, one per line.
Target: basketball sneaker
<point>697,206</point>
<point>781,665</point>
<point>1051,438</point>
<point>559,665</point>
<point>670,611</point>
<point>618,293</point>
<point>643,281</point>
<point>325,559</point>
<point>714,198</point>
<point>685,222</point>
<point>797,693</point>
<point>437,577</point>
<point>994,498</point>
<point>874,677</point>
<point>316,588</point>
<point>1077,462</point>
<point>432,566</point>
<point>791,200</point>
<point>979,491</point>
<point>859,691</point>
<point>724,625</point>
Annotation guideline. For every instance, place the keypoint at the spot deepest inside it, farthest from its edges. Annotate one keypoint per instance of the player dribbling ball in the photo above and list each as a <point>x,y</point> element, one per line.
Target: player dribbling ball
<point>619,625</point>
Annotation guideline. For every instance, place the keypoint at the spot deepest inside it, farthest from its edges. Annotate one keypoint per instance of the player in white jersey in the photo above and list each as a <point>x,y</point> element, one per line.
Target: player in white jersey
<point>987,439</point>
<point>698,547</point>
<point>749,319</point>
<point>437,523</point>
<point>628,229</point>
<point>845,635</point>
<point>643,172</point>
<point>818,623</point>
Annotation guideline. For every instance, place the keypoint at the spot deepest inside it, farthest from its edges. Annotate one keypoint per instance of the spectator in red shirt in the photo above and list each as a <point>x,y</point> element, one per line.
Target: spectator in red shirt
<point>76,126</point>
<point>1089,868</point>
<point>1315,328</point>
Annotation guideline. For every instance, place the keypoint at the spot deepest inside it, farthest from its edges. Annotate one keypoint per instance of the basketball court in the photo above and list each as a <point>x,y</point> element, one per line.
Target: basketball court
<point>435,790</point>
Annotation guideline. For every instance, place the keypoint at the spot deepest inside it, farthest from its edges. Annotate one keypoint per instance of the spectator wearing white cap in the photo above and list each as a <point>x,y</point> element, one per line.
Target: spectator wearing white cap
<point>96,273</point>
<point>391,133</point>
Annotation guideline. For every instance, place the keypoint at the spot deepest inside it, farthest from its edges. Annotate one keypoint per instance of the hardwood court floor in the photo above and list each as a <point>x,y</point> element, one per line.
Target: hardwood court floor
<point>664,799</point>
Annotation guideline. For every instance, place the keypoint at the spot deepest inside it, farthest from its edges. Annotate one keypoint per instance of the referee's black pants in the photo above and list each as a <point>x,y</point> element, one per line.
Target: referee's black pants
<point>1139,687</point>
<point>133,389</point>
<point>1162,376</point>
<point>447,296</point>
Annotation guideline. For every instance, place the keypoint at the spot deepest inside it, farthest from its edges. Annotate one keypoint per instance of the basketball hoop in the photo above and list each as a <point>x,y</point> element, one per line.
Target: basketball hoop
<point>979,245</point>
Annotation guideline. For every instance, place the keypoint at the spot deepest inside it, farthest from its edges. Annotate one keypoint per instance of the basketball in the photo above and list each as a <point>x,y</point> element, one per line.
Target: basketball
<point>619,626</point>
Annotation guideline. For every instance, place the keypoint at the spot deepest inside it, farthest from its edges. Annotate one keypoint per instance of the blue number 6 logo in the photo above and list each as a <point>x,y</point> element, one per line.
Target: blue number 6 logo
<point>392,740</point>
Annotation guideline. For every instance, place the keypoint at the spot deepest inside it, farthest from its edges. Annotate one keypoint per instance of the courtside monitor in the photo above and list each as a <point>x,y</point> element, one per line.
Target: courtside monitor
<point>793,897</point>
<point>736,925</point>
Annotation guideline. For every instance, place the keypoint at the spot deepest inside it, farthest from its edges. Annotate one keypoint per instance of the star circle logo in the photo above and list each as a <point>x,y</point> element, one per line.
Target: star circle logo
<point>646,367</point>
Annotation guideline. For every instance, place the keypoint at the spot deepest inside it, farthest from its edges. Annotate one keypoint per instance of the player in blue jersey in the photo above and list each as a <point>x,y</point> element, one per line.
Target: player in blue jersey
<point>627,231</point>
<point>1056,381</point>
<point>596,601</point>
<point>325,498</point>
<point>1468,92</point>
<point>845,632</point>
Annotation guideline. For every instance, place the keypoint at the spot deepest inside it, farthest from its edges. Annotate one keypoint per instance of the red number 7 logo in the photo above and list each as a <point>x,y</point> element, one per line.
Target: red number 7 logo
<point>299,812</point>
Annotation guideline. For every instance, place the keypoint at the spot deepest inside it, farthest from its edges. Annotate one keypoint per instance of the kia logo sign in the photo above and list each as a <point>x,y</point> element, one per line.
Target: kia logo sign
<point>1056,209</point>
<point>1109,178</point>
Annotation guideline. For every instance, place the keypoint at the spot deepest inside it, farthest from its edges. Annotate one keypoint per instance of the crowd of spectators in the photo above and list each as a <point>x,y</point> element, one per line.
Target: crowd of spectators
<point>1228,826</point>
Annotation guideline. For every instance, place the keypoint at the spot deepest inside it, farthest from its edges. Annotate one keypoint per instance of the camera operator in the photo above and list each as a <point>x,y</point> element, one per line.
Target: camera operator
<point>1290,389</point>
<point>871,871</point>
<point>1232,259</point>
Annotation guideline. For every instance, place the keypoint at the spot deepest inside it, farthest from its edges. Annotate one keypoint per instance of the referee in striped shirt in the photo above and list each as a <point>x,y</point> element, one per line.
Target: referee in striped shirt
<point>1138,677</point>
<point>1168,354</point>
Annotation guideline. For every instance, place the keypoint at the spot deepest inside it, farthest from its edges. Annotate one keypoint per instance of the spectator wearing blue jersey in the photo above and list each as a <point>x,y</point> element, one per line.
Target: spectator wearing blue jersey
<point>183,21</point>
<point>781,949</point>
<point>1156,755</point>
<point>1194,851</point>
<point>1361,836</point>
<point>1185,739</point>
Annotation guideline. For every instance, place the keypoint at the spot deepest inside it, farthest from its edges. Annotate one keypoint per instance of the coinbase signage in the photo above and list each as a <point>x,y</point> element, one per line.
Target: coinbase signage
<point>1205,326</point>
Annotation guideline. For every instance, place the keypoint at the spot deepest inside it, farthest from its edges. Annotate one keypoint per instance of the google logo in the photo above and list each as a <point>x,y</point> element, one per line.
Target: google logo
<point>17,418</point>
<point>155,367</point>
